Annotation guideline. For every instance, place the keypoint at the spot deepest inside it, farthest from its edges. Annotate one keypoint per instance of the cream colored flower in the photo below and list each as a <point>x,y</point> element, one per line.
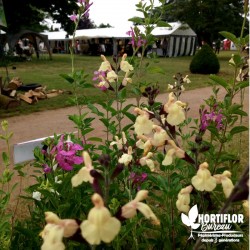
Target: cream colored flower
<point>175,110</point>
<point>126,80</point>
<point>144,143</point>
<point>186,79</point>
<point>183,201</point>
<point>84,173</point>
<point>102,84</point>
<point>225,181</point>
<point>174,151</point>
<point>142,124</point>
<point>126,158</point>
<point>119,142</point>
<point>99,226</point>
<point>129,210</point>
<point>160,136</point>
<point>170,86</point>
<point>124,65</point>
<point>203,181</point>
<point>69,225</point>
<point>112,76</point>
<point>52,237</point>
<point>105,65</point>
<point>146,161</point>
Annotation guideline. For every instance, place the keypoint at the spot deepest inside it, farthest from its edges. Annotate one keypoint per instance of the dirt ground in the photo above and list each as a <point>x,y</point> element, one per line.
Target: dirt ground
<point>46,123</point>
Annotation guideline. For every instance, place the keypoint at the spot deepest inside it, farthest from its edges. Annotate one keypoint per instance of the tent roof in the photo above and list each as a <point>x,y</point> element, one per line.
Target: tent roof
<point>56,35</point>
<point>177,28</point>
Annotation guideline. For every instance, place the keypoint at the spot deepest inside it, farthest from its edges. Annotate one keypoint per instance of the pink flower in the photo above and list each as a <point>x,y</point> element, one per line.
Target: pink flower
<point>211,118</point>
<point>137,179</point>
<point>66,154</point>
<point>46,169</point>
<point>73,17</point>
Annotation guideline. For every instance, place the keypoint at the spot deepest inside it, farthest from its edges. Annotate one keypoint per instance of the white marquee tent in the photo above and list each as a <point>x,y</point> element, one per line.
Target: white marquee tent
<point>182,39</point>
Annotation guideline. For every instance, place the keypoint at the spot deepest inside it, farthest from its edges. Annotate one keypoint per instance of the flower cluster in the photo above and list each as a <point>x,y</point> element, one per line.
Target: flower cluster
<point>204,181</point>
<point>83,10</point>
<point>178,87</point>
<point>136,38</point>
<point>66,154</point>
<point>106,74</point>
<point>99,226</point>
<point>153,136</point>
<point>214,117</point>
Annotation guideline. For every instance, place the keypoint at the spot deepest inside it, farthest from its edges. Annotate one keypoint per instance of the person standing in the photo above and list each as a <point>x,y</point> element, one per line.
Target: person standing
<point>164,47</point>
<point>217,46</point>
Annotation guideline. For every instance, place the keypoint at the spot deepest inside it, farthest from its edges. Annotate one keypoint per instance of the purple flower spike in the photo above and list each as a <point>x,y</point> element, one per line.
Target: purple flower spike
<point>46,169</point>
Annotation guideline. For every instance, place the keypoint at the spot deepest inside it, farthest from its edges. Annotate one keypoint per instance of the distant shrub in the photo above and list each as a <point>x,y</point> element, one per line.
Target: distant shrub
<point>205,61</point>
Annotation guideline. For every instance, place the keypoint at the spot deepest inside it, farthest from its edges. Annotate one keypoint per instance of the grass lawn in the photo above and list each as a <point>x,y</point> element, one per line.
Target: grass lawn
<point>47,73</point>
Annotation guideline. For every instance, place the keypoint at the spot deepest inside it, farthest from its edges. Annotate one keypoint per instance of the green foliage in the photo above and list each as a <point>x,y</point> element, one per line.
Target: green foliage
<point>29,15</point>
<point>205,61</point>
<point>158,156</point>
<point>207,18</point>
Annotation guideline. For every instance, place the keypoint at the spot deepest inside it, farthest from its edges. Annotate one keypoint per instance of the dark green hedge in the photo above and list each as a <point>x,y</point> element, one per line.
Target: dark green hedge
<point>205,61</point>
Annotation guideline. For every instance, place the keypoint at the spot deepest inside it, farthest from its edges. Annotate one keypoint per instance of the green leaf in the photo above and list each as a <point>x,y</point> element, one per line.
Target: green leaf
<point>122,94</point>
<point>127,107</point>
<point>86,131</point>
<point>229,36</point>
<point>219,81</point>
<point>162,24</point>
<point>136,20</point>
<point>5,158</point>
<point>136,91</point>
<point>236,109</point>
<point>238,129</point>
<point>95,139</point>
<point>67,78</point>
<point>242,85</point>
<point>105,121</point>
<point>213,130</point>
<point>227,157</point>
<point>130,116</point>
<point>95,110</point>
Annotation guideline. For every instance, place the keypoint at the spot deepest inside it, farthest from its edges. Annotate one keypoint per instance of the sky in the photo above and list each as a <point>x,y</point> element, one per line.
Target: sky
<point>114,12</point>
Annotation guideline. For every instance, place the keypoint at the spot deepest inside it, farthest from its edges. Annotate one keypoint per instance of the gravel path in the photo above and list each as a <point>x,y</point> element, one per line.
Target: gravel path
<point>46,123</point>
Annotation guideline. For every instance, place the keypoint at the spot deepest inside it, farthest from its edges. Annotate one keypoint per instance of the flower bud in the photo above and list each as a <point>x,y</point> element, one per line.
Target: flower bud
<point>104,160</point>
<point>198,139</point>
<point>119,168</point>
<point>95,174</point>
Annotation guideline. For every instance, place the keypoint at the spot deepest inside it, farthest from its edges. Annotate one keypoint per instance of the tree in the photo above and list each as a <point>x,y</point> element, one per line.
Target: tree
<point>102,25</point>
<point>207,17</point>
<point>85,23</point>
<point>27,14</point>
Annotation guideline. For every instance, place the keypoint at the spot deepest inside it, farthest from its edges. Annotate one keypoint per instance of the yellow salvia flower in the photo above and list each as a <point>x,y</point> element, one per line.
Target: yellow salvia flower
<point>99,226</point>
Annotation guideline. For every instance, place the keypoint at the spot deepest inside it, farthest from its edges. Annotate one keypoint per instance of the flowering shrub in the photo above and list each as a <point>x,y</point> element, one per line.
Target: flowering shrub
<point>131,189</point>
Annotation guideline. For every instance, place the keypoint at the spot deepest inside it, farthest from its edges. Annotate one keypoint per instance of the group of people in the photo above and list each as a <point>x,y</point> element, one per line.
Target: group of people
<point>24,48</point>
